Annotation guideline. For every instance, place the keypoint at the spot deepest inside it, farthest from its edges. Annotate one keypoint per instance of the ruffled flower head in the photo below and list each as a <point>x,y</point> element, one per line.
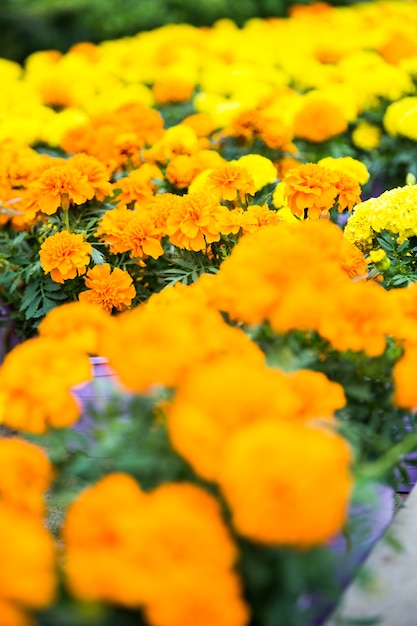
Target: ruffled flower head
<point>65,255</point>
<point>110,289</point>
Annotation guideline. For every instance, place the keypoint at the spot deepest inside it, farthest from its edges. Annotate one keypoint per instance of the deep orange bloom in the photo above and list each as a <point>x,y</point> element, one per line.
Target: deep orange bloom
<point>319,120</point>
<point>312,187</point>
<point>271,476</point>
<point>133,548</point>
<point>25,475</point>
<point>231,181</point>
<point>167,90</point>
<point>58,186</point>
<point>65,255</point>
<point>124,230</point>
<point>42,397</point>
<point>80,325</point>
<point>27,555</point>
<point>108,288</point>
<point>97,174</point>
<point>194,221</point>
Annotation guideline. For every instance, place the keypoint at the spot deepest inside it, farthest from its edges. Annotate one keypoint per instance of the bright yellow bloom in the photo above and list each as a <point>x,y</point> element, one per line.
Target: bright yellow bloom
<point>65,255</point>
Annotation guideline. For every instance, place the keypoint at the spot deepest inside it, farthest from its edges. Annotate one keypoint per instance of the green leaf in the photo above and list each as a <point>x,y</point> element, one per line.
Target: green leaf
<point>97,257</point>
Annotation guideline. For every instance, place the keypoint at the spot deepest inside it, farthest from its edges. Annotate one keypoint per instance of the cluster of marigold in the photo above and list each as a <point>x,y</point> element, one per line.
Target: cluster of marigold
<point>240,423</point>
<point>316,85</point>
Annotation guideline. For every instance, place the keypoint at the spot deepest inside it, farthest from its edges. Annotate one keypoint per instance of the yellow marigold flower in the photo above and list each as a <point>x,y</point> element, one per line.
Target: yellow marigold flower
<point>400,118</point>
<point>65,255</point>
<point>109,288</point>
<point>222,396</point>
<point>393,211</point>
<point>43,396</point>
<point>150,542</point>
<point>379,258</point>
<point>319,120</point>
<point>59,186</point>
<point>79,325</point>
<point>27,555</point>
<point>263,170</point>
<point>352,167</point>
<point>229,182</point>
<point>193,222</point>
<point>25,475</point>
<point>272,494</point>
<point>366,136</point>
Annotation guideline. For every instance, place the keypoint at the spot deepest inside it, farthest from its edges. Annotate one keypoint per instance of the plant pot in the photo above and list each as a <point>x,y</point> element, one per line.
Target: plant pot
<point>95,394</point>
<point>368,520</point>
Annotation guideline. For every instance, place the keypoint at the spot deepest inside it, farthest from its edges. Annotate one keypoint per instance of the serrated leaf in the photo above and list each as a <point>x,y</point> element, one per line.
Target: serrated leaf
<point>97,257</point>
<point>35,309</point>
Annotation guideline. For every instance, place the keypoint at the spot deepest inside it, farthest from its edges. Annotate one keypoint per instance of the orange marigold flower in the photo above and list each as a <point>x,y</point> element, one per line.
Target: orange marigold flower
<point>149,544</point>
<point>319,120</point>
<point>138,185</point>
<point>278,136</point>
<point>108,288</point>
<point>168,90</point>
<point>262,215</point>
<point>65,255</point>
<point>237,220</point>
<point>27,557</point>
<point>353,260</point>
<point>143,235</point>
<point>229,182</point>
<point>12,615</point>
<point>405,392</point>
<point>193,222</point>
<point>80,324</point>
<point>169,341</point>
<point>58,186</point>
<point>112,229</point>
<point>98,175</point>
<point>311,187</point>
<point>202,123</point>
<point>136,231</point>
<point>25,475</point>
<point>270,479</point>
<point>43,396</point>
<point>210,405</point>
<point>349,192</point>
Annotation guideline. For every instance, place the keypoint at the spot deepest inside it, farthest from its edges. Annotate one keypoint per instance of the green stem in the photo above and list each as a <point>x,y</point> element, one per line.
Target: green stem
<point>380,467</point>
<point>65,219</point>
